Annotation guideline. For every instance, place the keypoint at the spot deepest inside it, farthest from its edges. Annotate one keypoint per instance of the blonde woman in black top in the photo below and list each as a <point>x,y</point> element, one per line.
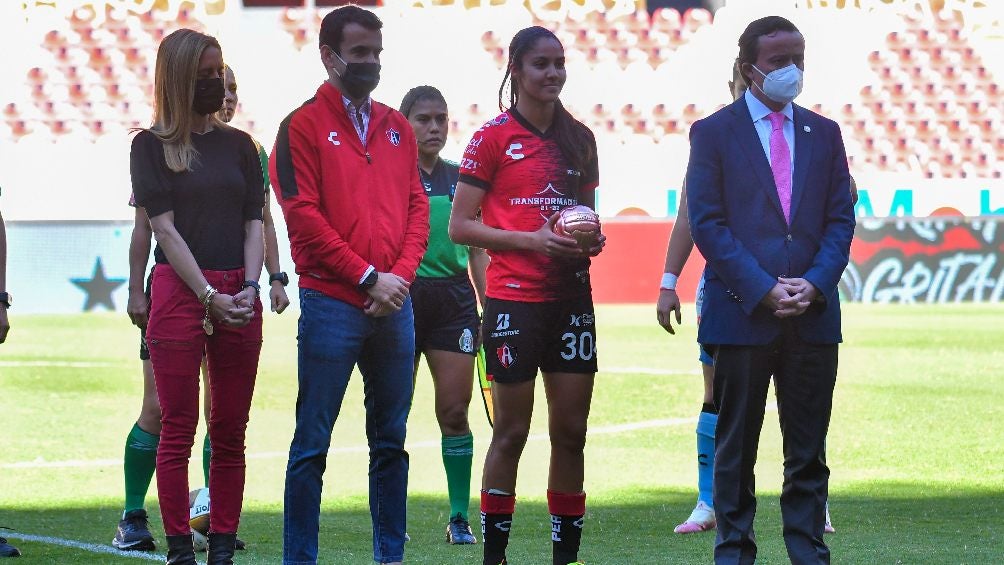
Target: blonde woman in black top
<point>200,183</point>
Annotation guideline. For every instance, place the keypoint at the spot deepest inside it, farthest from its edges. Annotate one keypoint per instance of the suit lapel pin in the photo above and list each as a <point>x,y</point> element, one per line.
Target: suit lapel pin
<point>806,129</point>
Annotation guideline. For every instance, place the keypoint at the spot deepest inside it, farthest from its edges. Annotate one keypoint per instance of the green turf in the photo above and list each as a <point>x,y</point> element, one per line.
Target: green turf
<point>916,446</point>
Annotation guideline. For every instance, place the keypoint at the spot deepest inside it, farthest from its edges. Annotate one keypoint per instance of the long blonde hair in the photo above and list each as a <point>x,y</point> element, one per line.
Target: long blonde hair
<point>174,91</point>
<point>737,86</point>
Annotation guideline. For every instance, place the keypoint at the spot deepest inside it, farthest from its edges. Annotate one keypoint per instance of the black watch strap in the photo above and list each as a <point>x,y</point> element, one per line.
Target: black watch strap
<point>254,285</point>
<point>281,276</point>
<point>369,282</point>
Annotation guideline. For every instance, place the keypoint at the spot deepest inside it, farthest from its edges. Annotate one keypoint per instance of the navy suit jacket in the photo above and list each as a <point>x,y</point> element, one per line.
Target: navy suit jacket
<point>737,224</point>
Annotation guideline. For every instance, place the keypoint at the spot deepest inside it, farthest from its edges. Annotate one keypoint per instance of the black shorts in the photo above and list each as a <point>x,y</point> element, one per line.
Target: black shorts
<point>144,351</point>
<point>446,314</point>
<point>521,337</point>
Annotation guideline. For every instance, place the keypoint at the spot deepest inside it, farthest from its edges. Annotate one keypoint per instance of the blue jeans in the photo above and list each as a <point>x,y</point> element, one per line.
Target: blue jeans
<point>333,337</point>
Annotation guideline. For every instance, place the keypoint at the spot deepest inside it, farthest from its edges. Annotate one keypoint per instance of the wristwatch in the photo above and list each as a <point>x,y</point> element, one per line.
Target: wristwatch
<point>254,285</point>
<point>281,276</point>
<point>6,299</point>
<point>369,282</point>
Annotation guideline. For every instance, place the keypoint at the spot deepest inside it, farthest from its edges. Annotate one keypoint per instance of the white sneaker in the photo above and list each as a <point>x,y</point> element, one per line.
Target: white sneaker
<point>828,525</point>
<point>701,519</point>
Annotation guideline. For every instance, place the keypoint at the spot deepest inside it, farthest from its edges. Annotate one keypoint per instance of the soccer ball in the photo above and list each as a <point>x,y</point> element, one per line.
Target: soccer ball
<point>200,541</point>
<point>579,222</point>
<point>198,510</point>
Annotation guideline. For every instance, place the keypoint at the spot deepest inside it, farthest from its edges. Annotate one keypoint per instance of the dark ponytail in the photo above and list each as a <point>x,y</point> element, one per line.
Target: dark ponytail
<point>572,136</point>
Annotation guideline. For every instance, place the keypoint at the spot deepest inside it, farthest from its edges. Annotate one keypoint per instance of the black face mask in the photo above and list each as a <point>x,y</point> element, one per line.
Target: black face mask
<point>359,79</point>
<point>209,95</point>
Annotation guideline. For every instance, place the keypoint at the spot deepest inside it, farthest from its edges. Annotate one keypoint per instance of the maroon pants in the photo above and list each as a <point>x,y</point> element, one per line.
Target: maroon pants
<point>177,342</point>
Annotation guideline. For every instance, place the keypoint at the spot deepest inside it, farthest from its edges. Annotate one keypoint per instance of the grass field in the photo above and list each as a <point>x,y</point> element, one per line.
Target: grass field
<point>916,446</point>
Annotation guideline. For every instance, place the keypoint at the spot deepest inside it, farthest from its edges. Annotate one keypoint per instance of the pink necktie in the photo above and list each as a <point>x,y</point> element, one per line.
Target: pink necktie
<point>780,162</point>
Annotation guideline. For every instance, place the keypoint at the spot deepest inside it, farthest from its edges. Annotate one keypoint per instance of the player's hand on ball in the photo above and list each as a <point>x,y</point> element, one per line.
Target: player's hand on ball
<point>582,224</point>
<point>597,246</point>
<point>548,242</point>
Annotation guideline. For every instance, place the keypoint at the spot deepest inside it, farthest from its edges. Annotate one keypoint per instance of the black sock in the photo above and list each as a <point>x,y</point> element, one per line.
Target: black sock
<point>709,408</point>
<point>566,534</point>
<point>496,520</point>
<point>567,517</point>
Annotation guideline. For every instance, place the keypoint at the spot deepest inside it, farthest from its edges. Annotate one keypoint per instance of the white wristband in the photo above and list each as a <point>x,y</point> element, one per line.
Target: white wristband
<point>668,281</point>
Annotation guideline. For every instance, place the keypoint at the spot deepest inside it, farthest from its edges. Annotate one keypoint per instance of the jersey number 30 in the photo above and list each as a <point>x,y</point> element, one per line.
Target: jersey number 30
<point>582,346</point>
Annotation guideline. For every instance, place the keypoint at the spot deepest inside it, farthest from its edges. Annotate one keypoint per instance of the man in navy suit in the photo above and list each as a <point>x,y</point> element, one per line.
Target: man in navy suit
<point>770,210</point>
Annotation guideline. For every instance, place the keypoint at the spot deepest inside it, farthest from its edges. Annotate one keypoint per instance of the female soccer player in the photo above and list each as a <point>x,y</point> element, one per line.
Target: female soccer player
<point>200,183</point>
<point>520,170</point>
<point>445,304</point>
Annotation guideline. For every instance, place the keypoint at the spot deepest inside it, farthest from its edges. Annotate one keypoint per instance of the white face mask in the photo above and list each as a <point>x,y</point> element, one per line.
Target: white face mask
<point>782,85</point>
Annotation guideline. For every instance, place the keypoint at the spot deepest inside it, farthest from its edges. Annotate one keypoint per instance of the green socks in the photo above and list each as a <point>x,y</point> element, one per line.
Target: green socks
<point>458,455</point>
<point>206,452</point>
<point>139,464</point>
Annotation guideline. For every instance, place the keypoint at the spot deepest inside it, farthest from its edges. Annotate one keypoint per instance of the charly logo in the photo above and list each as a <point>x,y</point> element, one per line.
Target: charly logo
<point>467,341</point>
<point>506,355</point>
<point>394,137</point>
<point>331,137</point>
<point>513,148</point>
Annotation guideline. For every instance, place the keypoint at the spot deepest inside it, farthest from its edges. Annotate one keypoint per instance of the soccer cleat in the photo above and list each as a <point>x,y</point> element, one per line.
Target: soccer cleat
<point>701,519</point>
<point>134,532</point>
<point>8,550</point>
<point>241,545</point>
<point>458,531</point>
<point>828,524</point>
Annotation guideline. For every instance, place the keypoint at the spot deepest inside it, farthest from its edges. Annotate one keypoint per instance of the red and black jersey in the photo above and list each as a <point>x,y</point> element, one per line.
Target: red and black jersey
<point>526,179</point>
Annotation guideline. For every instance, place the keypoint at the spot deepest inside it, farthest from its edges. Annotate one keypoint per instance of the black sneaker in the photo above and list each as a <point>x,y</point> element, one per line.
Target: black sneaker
<point>134,532</point>
<point>8,550</point>
<point>458,531</point>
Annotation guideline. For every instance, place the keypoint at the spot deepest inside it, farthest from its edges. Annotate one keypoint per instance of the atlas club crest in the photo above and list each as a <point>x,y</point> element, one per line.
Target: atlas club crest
<point>507,355</point>
<point>394,137</point>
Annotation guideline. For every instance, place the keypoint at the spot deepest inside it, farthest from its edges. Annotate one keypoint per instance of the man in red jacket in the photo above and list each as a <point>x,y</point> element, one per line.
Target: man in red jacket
<point>343,170</point>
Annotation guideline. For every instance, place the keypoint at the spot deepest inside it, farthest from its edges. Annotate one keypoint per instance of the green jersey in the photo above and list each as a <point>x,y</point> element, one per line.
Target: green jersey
<point>443,258</point>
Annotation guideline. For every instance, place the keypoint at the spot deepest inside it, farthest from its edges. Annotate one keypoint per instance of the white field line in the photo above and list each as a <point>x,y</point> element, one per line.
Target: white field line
<point>91,547</point>
<point>429,444</point>
<point>59,364</point>
<point>646,371</point>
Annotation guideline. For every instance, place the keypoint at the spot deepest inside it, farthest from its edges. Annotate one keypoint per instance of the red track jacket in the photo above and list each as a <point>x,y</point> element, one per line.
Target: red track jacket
<point>346,206</point>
